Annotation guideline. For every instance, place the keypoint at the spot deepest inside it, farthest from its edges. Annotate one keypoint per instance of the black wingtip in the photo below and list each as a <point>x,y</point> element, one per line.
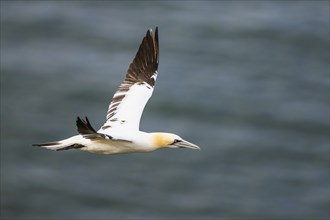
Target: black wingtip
<point>84,126</point>
<point>157,42</point>
<point>46,144</point>
<point>156,33</point>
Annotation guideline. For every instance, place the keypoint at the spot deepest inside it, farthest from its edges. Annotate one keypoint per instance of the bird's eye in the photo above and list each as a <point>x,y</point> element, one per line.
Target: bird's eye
<point>176,141</point>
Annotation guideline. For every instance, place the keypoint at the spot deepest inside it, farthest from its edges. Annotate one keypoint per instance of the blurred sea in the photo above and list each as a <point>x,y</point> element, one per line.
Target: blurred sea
<point>248,81</point>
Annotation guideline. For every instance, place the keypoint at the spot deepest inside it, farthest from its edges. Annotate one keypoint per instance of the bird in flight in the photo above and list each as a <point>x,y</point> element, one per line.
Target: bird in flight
<point>120,134</point>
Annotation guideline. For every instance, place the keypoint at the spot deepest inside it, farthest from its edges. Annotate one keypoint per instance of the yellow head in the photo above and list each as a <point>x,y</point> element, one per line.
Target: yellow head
<point>168,140</point>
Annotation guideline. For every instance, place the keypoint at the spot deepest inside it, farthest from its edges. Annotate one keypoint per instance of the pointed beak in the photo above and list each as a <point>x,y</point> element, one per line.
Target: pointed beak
<point>186,144</point>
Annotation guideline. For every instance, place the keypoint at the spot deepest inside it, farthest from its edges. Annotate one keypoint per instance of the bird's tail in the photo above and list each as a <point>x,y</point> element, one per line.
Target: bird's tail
<point>83,127</point>
<point>60,145</point>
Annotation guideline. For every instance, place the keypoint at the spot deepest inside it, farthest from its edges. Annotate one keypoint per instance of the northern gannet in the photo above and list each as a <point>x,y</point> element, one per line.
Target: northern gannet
<point>120,133</point>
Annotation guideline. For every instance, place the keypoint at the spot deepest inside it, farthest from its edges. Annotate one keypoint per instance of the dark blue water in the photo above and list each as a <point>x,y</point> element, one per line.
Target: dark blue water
<point>246,81</point>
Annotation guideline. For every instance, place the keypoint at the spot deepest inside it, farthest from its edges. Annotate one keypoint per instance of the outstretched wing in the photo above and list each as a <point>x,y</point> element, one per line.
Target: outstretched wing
<point>127,104</point>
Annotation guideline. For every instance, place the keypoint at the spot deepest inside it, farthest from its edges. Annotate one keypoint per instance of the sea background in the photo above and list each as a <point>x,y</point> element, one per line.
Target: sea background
<point>247,81</point>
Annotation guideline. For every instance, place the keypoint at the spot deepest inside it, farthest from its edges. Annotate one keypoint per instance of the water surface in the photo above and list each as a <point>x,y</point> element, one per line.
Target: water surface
<point>246,81</point>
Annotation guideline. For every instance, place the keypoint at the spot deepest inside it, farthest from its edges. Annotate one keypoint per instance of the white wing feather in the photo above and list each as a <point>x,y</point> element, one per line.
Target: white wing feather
<point>126,107</point>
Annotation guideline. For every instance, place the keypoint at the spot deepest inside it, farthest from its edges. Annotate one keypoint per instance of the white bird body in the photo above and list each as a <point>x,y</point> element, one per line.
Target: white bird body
<point>140,142</point>
<point>120,133</point>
